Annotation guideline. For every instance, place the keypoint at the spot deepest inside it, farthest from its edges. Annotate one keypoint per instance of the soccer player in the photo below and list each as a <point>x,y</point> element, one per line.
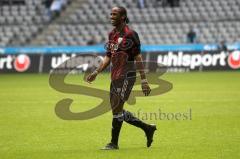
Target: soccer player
<point>123,48</point>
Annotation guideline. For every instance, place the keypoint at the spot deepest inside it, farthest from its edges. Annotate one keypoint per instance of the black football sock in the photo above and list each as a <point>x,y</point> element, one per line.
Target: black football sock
<point>116,127</point>
<point>130,119</point>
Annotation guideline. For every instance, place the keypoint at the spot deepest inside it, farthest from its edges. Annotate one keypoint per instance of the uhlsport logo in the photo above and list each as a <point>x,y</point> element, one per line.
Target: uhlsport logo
<point>22,63</point>
<point>193,61</point>
<point>234,59</point>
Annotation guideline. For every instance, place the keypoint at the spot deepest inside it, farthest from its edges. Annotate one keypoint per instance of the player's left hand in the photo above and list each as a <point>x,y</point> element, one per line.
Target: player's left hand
<point>145,88</point>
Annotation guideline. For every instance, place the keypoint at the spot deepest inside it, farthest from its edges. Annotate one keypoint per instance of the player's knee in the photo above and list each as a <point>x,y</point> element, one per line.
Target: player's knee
<point>117,110</point>
<point>127,115</point>
<point>118,116</point>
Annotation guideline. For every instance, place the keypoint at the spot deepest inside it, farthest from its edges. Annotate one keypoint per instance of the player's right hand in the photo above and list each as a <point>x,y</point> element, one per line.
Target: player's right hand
<point>92,76</point>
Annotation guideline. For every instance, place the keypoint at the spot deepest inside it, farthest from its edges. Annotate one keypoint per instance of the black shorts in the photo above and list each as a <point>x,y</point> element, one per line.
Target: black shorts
<point>122,88</point>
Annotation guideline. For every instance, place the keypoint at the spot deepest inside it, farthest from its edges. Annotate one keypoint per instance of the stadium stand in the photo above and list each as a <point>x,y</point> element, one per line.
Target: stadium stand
<point>83,21</point>
<point>22,22</point>
<point>19,23</point>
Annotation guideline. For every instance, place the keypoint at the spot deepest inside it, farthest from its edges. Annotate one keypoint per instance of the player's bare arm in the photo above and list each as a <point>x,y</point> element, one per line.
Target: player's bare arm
<point>103,65</point>
<point>145,87</point>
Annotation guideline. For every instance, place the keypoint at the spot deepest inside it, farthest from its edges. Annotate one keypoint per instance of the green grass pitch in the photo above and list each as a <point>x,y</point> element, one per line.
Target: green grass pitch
<point>30,129</point>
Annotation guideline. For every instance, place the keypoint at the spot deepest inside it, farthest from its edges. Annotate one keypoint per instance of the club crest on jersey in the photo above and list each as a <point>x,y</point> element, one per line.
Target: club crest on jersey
<point>120,43</point>
<point>120,39</point>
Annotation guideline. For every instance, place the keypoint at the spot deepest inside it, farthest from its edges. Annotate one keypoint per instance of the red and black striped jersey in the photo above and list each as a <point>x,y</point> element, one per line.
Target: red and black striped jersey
<point>122,47</point>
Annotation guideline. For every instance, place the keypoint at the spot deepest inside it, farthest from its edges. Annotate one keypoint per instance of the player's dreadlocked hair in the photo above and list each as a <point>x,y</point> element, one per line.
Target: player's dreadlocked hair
<point>123,12</point>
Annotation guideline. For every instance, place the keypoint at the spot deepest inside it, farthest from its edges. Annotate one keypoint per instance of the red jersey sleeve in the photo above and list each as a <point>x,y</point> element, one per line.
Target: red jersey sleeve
<point>108,51</point>
<point>136,44</point>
